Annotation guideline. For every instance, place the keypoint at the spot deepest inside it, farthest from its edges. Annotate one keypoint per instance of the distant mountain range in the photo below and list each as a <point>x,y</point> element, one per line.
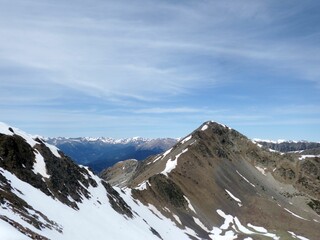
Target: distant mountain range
<point>290,146</point>
<point>214,184</point>
<point>100,153</point>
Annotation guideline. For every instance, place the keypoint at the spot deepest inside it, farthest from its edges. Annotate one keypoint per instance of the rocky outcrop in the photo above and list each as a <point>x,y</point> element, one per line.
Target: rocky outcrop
<point>121,173</point>
<point>66,180</point>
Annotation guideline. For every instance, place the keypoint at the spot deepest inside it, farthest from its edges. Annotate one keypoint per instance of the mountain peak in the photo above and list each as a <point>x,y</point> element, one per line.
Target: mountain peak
<point>216,167</point>
<point>213,184</point>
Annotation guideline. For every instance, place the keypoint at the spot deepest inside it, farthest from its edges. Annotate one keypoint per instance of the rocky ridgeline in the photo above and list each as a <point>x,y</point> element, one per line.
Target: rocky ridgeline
<point>201,172</point>
<point>213,184</point>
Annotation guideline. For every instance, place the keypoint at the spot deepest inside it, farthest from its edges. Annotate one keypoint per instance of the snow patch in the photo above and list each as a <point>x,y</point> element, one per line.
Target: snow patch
<point>258,144</point>
<point>228,219</point>
<point>54,150</point>
<point>204,127</point>
<point>200,224</point>
<point>143,186</point>
<point>245,179</point>
<point>189,204</point>
<point>295,214</point>
<point>302,157</point>
<point>40,166</point>
<point>271,150</point>
<point>235,198</point>
<point>236,225</point>
<point>186,139</point>
<point>158,158</point>
<point>166,153</point>
<point>177,219</point>
<point>171,164</point>
<point>262,170</point>
<point>297,236</point>
<point>257,229</point>
<point>166,209</point>
<point>242,228</point>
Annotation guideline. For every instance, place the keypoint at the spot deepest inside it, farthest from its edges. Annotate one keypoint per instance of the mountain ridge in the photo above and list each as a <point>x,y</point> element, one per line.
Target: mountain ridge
<point>202,166</point>
<point>44,195</point>
<point>215,183</point>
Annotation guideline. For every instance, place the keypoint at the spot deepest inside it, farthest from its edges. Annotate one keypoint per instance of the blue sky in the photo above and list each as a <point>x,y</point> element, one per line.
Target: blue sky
<point>121,68</point>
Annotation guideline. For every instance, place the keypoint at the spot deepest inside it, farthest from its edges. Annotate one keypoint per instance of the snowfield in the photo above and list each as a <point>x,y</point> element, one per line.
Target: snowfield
<point>95,219</point>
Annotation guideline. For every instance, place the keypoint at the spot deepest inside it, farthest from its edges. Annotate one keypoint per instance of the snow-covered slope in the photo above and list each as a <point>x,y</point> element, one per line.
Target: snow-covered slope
<point>34,205</point>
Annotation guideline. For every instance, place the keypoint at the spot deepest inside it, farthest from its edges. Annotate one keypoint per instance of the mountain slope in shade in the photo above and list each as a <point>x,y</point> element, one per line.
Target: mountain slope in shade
<point>222,185</point>
<point>99,153</point>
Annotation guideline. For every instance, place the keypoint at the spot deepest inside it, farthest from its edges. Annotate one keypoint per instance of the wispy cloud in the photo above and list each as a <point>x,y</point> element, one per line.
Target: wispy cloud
<point>168,110</point>
<point>158,57</point>
<point>132,53</point>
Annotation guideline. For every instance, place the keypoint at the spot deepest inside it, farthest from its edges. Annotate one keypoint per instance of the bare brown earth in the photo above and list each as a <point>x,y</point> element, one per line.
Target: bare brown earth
<point>219,159</point>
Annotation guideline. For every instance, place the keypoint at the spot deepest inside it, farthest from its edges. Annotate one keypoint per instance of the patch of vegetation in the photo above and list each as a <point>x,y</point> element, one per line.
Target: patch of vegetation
<point>168,190</point>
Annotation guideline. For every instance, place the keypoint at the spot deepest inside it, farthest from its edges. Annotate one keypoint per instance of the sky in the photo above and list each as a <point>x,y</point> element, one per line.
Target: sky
<point>160,68</point>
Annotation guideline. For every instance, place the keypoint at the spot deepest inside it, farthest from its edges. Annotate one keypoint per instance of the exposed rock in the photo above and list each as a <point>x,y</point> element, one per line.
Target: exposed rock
<point>121,173</point>
<point>117,203</point>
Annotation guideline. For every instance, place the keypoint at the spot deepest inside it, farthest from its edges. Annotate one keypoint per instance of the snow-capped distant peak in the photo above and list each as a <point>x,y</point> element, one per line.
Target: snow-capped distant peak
<point>106,140</point>
<point>275,141</point>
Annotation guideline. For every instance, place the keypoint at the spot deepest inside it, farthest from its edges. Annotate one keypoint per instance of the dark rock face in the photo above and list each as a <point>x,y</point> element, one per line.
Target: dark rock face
<point>18,158</point>
<point>66,178</point>
<point>117,203</point>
